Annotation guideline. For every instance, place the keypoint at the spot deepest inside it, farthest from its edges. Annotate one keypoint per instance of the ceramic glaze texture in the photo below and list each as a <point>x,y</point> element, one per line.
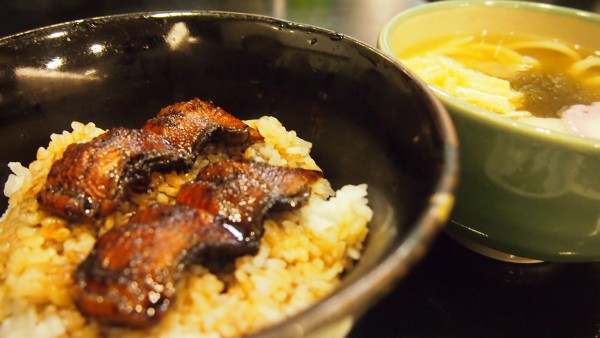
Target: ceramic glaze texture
<point>369,120</point>
<point>524,190</point>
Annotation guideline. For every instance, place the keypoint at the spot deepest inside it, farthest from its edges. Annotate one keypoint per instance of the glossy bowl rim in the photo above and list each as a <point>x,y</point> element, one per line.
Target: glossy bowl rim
<point>377,280</point>
<point>485,116</point>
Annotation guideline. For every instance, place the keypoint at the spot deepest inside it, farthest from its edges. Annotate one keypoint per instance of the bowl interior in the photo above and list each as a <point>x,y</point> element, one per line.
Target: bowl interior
<point>446,18</point>
<point>368,119</point>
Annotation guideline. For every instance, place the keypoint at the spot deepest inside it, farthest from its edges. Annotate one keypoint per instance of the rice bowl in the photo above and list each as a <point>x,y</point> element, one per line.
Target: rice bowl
<point>368,120</point>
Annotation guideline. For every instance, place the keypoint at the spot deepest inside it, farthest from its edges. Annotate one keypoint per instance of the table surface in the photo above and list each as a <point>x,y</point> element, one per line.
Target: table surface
<point>453,292</point>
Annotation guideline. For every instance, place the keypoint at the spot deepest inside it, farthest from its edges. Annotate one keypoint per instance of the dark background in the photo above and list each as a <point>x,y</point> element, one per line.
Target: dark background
<point>453,292</point>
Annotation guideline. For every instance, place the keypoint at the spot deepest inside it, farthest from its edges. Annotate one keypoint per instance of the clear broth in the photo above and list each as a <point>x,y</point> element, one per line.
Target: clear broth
<point>547,80</point>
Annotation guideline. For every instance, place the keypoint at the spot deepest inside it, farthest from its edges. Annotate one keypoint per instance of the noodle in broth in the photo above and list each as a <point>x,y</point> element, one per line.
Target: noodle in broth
<point>516,76</point>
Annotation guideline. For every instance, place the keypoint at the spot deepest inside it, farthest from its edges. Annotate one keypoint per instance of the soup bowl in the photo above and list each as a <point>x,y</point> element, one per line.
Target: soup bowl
<point>527,193</point>
<point>368,118</point>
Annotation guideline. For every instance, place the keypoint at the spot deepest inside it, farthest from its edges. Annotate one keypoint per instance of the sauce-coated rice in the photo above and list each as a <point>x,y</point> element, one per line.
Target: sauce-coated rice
<point>302,254</point>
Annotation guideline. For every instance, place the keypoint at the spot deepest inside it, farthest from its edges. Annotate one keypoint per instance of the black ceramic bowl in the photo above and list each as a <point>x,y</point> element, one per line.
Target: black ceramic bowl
<point>368,118</point>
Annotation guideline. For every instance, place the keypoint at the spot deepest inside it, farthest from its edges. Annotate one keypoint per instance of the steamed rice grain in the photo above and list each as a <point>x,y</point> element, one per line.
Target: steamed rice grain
<point>301,258</point>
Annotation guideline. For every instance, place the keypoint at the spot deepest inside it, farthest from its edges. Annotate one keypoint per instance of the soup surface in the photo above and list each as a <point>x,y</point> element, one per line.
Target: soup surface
<point>516,76</point>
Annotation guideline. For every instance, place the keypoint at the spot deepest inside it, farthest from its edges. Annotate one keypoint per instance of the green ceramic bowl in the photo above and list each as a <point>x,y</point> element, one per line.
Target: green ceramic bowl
<point>523,191</point>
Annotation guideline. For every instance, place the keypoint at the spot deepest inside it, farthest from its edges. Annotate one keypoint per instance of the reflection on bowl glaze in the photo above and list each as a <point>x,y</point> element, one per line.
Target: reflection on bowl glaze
<point>586,181</point>
<point>531,171</point>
